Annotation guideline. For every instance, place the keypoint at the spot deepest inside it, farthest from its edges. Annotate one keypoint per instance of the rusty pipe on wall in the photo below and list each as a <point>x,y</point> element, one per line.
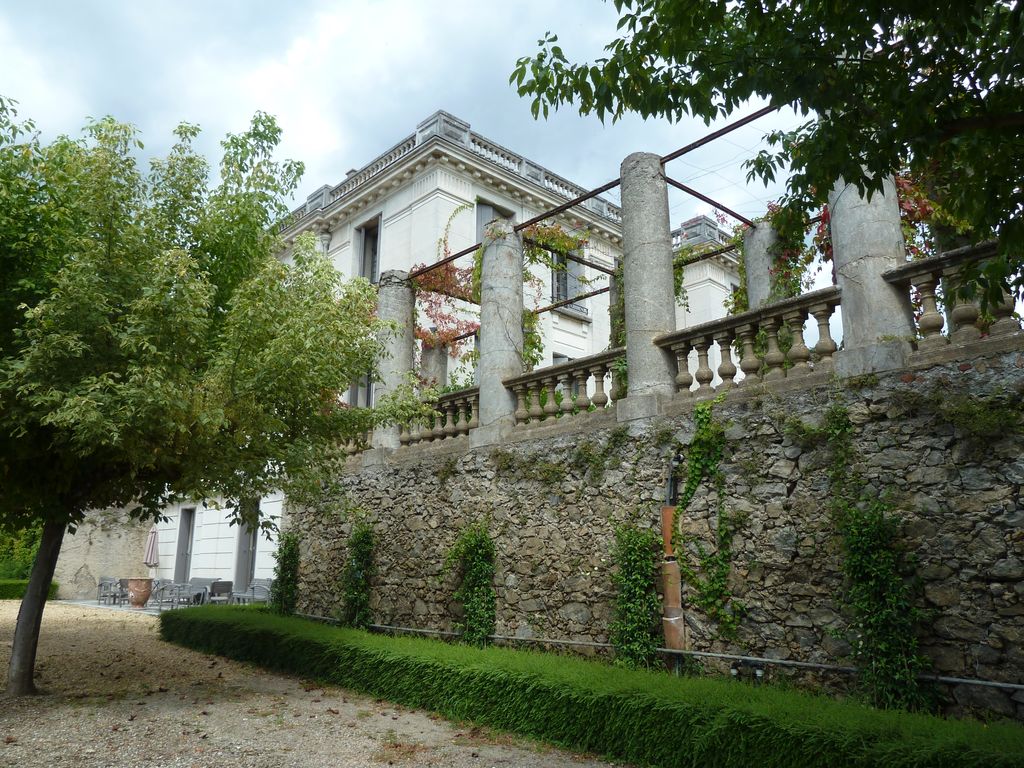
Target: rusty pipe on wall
<point>673,622</point>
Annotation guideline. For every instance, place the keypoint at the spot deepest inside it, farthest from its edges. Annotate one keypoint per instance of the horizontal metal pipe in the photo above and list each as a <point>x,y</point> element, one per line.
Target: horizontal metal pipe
<point>573,300</point>
<point>674,652</point>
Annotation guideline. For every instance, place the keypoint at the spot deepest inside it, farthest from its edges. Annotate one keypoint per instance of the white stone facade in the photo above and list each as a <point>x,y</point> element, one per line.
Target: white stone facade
<point>390,215</point>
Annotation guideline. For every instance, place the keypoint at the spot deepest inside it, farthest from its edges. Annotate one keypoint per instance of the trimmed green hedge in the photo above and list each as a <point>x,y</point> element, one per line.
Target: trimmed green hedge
<point>14,589</point>
<point>643,717</point>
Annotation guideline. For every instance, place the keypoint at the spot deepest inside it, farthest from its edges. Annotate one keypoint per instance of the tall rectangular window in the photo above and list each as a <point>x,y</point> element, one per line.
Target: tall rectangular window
<point>369,244</point>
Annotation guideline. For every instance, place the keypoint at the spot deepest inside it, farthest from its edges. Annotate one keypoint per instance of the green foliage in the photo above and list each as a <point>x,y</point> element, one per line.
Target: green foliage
<point>888,85</point>
<point>533,343</point>
<point>355,577</point>
<point>18,552</point>
<point>14,589</point>
<point>472,558</point>
<point>156,348</point>
<point>883,628</point>
<point>640,717</point>
<point>709,579</point>
<point>536,468</point>
<point>595,460</point>
<point>981,419</point>
<point>284,594</point>
<point>637,605</point>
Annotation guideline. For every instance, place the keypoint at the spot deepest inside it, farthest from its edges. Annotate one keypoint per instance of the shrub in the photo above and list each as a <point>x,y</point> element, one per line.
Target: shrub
<point>14,589</point>
<point>355,578</point>
<point>634,715</point>
<point>637,606</point>
<point>472,556</point>
<point>18,552</point>
<point>284,593</point>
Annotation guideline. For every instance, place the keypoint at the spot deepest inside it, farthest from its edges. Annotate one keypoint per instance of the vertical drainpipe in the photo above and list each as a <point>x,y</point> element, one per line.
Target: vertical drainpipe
<point>672,621</point>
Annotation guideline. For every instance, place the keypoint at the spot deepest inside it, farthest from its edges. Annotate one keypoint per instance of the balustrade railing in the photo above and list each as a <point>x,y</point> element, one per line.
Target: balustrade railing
<point>456,413</point>
<point>769,341</point>
<point>357,444</point>
<point>578,386</point>
<point>925,278</point>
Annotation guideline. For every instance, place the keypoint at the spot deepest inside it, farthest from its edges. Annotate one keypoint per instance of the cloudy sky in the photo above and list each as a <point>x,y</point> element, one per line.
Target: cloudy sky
<point>346,81</point>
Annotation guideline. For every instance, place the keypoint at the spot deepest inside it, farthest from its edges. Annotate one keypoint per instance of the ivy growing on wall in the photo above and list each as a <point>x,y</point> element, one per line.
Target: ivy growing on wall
<point>637,606</point>
<point>708,578</point>
<point>472,559</point>
<point>355,577</point>
<point>285,591</point>
<point>884,617</point>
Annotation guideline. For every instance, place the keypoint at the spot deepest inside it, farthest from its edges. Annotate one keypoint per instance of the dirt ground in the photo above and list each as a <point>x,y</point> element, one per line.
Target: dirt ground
<point>116,695</point>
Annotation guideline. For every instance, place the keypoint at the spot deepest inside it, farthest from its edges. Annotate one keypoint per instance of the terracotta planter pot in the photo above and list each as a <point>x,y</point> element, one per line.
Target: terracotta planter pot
<point>139,591</point>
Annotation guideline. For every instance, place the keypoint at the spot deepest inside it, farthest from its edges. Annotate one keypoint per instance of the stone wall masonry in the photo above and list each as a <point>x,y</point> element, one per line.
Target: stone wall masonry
<point>554,498</point>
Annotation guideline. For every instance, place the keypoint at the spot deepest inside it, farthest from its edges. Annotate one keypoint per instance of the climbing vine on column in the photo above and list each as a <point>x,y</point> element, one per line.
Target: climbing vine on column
<point>708,578</point>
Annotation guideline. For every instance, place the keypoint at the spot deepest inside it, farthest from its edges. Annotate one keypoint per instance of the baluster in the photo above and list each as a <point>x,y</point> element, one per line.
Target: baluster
<point>404,435</point>
<point>565,380</point>
<point>749,362</point>
<point>536,412</point>
<point>450,430</point>
<point>427,435</point>
<point>704,374</point>
<point>1002,311</point>
<point>415,431</point>
<point>798,354</point>
<point>826,346</point>
<point>463,425</point>
<point>550,406</point>
<point>580,378</point>
<point>964,316</point>
<point>350,447</point>
<point>773,358</point>
<point>474,411</point>
<point>438,431</point>
<point>931,320</point>
<point>600,399</point>
<point>727,368</point>
<point>684,379</point>
<point>522,415</point>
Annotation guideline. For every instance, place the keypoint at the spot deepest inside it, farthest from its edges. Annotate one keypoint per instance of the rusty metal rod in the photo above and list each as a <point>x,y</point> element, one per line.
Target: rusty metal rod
<point>570,256</point>
<point>708,200</point>
<point>573,300</point>
<point>442,262</point>
<point>717,134</point>
<point>566,206</point>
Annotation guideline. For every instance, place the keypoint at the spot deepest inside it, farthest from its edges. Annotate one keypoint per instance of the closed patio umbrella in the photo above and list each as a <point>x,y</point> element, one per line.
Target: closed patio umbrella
<point>152,556</point>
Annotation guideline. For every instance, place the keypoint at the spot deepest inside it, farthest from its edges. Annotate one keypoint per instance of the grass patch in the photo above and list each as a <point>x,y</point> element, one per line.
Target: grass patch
<point>14,589</point>
<point>643,717</point>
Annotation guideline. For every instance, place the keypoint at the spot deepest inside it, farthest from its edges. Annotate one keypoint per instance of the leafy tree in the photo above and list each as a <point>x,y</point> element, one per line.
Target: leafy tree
<point>933,87</point>
<point>153,347</point>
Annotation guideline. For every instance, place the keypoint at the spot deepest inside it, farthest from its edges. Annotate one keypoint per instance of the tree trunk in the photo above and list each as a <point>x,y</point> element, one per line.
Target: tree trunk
<point>20,677</point>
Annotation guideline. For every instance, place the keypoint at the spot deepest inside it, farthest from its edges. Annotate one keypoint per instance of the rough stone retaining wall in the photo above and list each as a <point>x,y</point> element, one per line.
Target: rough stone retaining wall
<point>553,508</point>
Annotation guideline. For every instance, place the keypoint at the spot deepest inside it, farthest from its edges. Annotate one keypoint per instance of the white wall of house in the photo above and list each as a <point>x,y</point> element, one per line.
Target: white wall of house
<point>216,542</point>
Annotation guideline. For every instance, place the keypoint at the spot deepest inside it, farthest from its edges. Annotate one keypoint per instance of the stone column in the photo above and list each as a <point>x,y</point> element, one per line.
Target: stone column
<point>501,332</point>
<point>648,286</point>
<point>878,322</point>
<point>759,242</point>
<point>395,300</point>
<point>434,364</point>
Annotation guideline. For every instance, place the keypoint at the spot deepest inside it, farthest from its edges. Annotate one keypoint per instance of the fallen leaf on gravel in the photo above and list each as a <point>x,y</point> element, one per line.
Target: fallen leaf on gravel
<point>132,717</point>
<point>9,740</point>
<point>332,711</point>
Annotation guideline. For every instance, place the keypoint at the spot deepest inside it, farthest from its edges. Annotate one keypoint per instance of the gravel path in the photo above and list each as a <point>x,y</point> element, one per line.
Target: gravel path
<point>116,695</point>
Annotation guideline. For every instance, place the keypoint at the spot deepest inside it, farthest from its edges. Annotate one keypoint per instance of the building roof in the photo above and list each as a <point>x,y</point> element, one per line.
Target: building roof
<point>443,134</point>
